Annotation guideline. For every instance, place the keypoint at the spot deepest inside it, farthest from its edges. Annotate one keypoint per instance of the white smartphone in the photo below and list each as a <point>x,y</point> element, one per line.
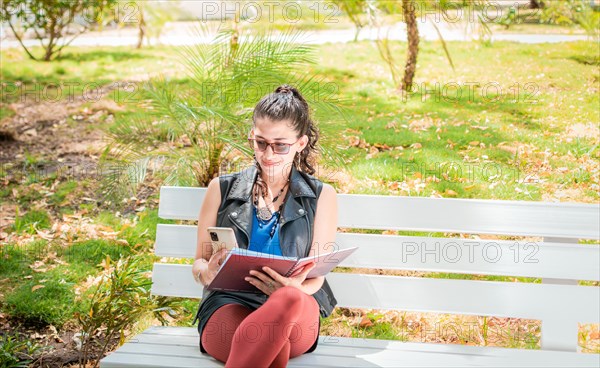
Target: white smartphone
<point>221,237</point>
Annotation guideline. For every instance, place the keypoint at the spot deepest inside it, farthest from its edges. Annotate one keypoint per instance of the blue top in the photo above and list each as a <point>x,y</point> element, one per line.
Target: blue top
<point>260,239</point>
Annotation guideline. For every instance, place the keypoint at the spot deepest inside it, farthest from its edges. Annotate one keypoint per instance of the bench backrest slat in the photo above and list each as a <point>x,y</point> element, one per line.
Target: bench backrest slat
<point>487,257</point>
<point>474,216</point>
<point>487,298</point>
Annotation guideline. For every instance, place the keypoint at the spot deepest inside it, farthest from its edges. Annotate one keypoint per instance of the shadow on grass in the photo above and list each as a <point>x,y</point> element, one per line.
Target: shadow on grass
<point>96,55</point>
<point>593,60</point>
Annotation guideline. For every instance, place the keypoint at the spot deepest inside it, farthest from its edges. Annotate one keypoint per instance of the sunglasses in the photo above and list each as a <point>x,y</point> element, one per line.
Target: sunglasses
<point>277,147</point>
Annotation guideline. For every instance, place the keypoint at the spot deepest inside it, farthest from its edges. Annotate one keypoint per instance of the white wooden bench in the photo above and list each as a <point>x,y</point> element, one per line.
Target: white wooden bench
<point>558,301</point>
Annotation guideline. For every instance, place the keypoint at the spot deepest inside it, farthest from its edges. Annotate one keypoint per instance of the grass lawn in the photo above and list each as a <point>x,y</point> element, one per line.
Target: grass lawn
<point>496,129</point>
<point>511,121</point>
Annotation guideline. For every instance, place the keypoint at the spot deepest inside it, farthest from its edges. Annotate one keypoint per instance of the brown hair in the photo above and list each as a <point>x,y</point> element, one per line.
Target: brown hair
<point>286,103</point>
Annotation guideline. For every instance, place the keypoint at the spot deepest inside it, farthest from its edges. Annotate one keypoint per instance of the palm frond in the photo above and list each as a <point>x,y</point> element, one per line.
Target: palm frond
<point>444,46</point>
<point>226,78</point>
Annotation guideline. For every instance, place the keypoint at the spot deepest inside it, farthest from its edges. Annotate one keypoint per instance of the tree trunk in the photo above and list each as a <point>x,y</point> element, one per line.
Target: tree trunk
<point>54,35</point>
<point>536,4</point>
<point>412,33</point>
<point>49,52</point>
<point>356,32</point>
<point>142,31</point>
<point>234,44</point>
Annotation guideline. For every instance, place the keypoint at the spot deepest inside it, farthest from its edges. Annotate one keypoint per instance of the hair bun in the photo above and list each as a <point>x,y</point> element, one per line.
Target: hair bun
<point>286,89</point>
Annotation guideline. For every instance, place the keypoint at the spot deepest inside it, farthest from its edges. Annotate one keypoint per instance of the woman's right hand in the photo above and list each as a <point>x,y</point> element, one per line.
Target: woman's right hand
<point>208,274</point>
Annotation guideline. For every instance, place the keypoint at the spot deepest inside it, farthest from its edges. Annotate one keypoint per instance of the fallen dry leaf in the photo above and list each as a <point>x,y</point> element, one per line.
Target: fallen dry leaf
<point>36,287</point>
<point>382,147</point>
<point>353,141</point>
<point>365,322</point>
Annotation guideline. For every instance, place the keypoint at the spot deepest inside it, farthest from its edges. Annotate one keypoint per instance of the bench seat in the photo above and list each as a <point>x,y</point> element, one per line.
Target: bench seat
<point>178,347</point>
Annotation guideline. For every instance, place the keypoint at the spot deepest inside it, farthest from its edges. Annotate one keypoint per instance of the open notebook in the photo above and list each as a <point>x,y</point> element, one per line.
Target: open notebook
<point>240,262</point>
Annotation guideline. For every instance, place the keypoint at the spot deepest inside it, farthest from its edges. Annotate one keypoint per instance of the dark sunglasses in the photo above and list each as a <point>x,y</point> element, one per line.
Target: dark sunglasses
<point>277,147</point>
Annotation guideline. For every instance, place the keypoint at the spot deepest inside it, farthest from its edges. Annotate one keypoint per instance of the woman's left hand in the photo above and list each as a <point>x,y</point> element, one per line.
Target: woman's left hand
<point>270,280</point>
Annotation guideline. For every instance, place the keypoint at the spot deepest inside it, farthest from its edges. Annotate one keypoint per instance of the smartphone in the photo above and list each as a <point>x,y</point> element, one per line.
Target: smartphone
<point>222,237</point>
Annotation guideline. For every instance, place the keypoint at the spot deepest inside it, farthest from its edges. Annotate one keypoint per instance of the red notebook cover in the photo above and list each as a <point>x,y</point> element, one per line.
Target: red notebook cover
<point>240,262</point>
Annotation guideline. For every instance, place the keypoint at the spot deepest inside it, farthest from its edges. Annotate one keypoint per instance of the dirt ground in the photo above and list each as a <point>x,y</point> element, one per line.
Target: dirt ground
<point>62,131</point>
<point>56,349</point>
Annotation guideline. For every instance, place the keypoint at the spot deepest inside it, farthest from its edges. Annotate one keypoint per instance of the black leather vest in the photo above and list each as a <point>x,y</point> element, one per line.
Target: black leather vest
<point>297,217</point>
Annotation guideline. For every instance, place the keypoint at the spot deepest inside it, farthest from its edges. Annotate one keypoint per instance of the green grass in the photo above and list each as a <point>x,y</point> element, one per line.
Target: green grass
<point>24,268</point>
<point>141,236</point>
<point>378,329</point>
<point>37,293</point>
<point>472,129</point>
<point>63,189</point>
<point>79,72</point>
<point>89,253</point>
<point>458,276</point>
<point>31,221</point>
<point>54,303</point>
<point>14,259</point>
<point>187,311</point>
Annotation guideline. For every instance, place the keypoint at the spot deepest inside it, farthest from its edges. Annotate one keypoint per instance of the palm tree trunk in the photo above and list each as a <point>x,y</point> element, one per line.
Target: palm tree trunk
<point>412,33</point>
<point>214,162</point>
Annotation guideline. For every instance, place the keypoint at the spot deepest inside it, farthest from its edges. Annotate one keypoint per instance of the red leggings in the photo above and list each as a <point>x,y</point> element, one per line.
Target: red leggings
<point>284,327</point>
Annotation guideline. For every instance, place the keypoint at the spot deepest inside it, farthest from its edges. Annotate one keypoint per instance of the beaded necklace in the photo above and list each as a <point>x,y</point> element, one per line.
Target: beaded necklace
<point>264,213</point>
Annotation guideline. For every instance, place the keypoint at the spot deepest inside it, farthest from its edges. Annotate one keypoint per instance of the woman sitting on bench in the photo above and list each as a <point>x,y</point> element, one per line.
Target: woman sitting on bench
<point>275,206</point>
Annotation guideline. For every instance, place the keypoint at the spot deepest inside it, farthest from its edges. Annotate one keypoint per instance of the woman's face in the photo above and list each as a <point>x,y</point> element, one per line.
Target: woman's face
<point>276,166</point>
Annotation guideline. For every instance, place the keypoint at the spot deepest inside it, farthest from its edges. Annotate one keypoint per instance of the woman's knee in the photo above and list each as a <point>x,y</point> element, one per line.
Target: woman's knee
<point>291,302</point>
<point>290,294</point>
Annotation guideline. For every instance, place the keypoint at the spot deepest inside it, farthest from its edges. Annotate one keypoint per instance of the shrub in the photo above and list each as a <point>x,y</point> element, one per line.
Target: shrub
<point>16,352</point>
